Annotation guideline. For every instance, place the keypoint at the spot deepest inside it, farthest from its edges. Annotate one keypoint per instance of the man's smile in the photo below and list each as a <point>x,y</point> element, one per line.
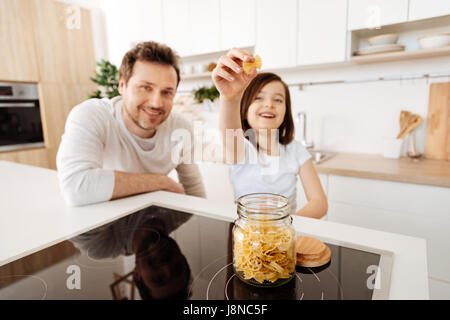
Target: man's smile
<point>152,113</point>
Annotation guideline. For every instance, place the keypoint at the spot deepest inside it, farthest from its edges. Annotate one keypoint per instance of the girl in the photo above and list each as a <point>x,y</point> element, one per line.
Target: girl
<point>257,128</point>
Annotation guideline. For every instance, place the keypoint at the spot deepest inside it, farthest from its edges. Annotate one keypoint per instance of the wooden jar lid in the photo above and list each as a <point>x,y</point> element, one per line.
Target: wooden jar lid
<point>311,252</point>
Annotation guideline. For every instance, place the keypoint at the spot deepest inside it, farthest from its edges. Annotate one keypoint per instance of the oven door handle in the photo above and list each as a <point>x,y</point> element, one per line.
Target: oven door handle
<point>17,105</point>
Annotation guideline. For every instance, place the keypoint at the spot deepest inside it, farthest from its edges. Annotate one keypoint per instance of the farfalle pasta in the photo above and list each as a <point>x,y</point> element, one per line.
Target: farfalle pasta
<point>264,251</point>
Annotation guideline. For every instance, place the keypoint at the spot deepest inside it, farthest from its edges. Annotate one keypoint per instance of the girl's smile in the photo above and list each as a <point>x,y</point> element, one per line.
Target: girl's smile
<point>268,108</point>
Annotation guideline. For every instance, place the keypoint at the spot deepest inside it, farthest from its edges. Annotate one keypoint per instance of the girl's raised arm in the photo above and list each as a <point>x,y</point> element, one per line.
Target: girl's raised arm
<point>231,81</point>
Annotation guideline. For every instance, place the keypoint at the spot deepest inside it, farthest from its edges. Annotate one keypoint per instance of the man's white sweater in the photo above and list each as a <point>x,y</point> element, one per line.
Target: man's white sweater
<point>96,143</point>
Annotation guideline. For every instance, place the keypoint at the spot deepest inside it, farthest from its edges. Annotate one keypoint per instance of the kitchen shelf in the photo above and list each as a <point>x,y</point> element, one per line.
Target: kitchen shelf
<point>401,55</point>
<point>210,55</point>
<point>196,76</point>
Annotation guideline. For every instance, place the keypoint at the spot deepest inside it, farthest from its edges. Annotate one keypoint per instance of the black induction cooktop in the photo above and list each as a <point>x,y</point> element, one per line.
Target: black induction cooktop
<point>159,253</point>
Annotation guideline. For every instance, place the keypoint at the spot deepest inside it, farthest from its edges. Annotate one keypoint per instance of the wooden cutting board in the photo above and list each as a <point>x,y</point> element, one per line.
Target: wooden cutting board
<point>437,141</point>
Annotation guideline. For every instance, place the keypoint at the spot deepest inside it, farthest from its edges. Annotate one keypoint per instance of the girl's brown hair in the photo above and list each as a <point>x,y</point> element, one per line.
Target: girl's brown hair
<point>286,129</point>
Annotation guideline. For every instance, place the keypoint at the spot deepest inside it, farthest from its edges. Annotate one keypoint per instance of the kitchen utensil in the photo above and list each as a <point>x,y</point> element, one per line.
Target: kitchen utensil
<point>412,142</point>
<point>390,38</point>
<point>437,141</point>
<point>404,115</point>
<point>380,49</point>
<point>435,41</point>
<point>412,122</point>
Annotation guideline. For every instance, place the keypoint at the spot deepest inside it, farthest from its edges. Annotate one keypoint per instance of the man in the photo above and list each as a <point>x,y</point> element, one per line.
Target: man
<point>112,148</point>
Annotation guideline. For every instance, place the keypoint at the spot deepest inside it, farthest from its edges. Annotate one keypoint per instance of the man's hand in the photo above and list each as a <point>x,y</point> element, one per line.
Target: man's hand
<point>229,76</point>
<point>173,186</point>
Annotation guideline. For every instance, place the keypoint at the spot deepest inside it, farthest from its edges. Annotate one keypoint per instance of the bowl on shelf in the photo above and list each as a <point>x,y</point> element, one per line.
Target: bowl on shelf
<point>434,41</point>
<point>390,38</point>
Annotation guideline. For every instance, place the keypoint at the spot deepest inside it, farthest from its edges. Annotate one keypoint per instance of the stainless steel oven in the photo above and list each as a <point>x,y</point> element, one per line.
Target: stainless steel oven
<point>20,117</point>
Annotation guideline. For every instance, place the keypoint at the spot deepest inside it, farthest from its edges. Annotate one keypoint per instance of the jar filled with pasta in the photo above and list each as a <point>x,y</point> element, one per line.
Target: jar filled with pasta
<point>264,240</point>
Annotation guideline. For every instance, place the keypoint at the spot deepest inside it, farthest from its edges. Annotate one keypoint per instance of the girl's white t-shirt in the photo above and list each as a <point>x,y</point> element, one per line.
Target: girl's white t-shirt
<point>262,173</point>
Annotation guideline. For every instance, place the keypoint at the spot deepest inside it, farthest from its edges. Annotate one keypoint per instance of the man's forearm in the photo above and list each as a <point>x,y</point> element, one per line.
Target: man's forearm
<point>126,184</point>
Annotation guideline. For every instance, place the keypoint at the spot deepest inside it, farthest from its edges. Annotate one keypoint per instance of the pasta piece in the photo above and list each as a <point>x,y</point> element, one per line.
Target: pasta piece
<point>248,65</point>
<point>264,252</point>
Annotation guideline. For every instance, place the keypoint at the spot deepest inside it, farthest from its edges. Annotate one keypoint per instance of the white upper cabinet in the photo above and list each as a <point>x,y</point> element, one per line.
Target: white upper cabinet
<point>237,19</point>
<point>276,33</point>
<point>423,9</point>
<point>176,26</point>
<point>375,13</point>
<point>192,26</point>
<point>322,31</point>
<point>205,26</point>
<point>149,15</point>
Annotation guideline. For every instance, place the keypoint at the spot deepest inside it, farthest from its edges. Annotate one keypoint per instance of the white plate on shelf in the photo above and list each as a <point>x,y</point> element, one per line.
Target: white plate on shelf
<point>380,49</point>
<point>435,41</point>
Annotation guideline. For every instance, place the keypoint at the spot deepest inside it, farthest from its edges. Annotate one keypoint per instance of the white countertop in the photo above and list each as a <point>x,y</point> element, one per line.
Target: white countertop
<point>33,216</point>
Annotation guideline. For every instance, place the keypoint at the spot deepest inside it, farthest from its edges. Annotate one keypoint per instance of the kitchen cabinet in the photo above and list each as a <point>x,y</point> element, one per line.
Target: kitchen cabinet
<point>127,25</point>
<point>205,26</point>
<point>276,34</point>
<point>191,29</point>
<point>375,13</point>
<point>423,9</point>
<point>65,54</point>
<point>17,47</point>
<point>176,26</point>
<point>150,27</point>
<point>216,178</point>
<point>42,44</point>
<point>322,31</point>
<point>57,100</point>
<point>237,21</point>
<point>35,157</point>
<point>409,209</point>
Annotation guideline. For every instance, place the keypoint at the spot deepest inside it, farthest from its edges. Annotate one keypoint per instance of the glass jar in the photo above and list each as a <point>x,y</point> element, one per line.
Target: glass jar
<point>264,240</point>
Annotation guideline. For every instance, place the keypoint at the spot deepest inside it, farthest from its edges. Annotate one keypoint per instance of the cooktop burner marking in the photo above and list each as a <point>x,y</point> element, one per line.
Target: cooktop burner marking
<point>198,275</point>
<point>315,275</point>
<point>339,284</point>
<point>30,276</point>
<point>212,279</point>
<point>226,286</point>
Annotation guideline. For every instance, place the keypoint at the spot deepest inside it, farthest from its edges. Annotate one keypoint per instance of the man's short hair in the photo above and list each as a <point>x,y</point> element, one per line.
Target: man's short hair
<point>152,52</point>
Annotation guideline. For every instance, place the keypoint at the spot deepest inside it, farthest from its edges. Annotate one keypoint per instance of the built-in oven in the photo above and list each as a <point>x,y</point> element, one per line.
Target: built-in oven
<point>20,117</point>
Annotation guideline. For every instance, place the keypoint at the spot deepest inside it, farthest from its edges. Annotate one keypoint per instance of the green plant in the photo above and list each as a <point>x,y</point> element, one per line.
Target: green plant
<point>107,78</point>
<point>204,92</point>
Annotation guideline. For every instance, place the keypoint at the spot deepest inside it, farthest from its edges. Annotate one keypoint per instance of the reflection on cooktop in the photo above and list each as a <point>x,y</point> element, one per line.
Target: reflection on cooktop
<point>158,253</point>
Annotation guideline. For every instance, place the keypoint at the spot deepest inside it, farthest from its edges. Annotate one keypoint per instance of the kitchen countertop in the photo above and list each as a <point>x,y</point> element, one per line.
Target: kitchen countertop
<point>427,172</point>
<point>33,216</point>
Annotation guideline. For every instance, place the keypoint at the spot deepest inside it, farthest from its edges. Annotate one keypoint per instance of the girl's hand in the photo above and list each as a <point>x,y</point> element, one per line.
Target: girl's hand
<point>229,76</point>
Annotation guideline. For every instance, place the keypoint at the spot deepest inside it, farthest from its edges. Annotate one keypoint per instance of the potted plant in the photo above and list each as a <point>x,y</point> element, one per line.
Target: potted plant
<point>107,78</point>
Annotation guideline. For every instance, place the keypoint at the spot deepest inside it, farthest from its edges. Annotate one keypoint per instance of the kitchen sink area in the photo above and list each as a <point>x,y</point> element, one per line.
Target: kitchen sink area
<point>319,156</point>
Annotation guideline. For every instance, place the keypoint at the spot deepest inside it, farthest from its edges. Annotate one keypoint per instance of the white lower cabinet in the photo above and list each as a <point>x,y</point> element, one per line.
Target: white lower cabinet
<point>216,178</point>
<point>413,210</point>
